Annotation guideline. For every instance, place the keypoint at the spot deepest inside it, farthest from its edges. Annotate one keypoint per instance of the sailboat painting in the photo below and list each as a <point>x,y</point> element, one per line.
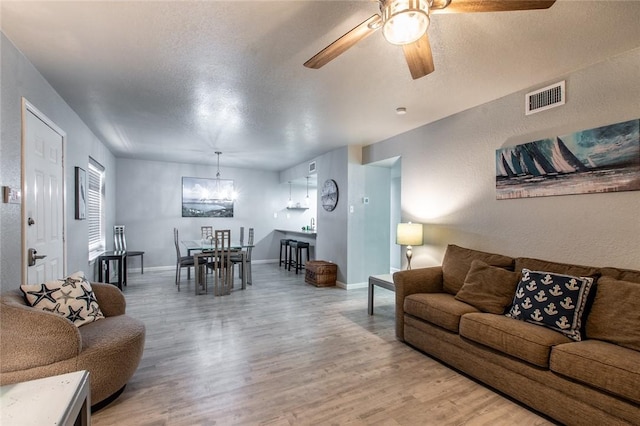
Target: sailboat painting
<point>604,159</point>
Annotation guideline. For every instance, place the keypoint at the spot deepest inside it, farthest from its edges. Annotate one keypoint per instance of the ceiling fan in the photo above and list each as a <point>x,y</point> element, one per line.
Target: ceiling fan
<point>405,23</point>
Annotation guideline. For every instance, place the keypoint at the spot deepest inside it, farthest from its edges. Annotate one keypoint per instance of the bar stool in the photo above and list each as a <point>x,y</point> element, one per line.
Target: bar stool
<point>298,246</point>
<point>284,243</point>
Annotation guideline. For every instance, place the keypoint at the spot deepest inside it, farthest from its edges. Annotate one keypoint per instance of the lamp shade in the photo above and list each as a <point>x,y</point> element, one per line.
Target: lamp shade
<point>409,234</point>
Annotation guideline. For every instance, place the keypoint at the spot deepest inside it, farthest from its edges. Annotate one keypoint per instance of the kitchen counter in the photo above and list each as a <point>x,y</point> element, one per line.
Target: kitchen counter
<point>310,234</point>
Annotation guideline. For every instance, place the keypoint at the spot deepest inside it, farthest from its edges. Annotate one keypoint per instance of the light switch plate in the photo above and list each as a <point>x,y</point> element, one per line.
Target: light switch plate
<point>11,195</point>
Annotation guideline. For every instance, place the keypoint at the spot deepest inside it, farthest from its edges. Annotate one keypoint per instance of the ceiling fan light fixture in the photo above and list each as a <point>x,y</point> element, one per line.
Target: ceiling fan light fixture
<point>405,21</point>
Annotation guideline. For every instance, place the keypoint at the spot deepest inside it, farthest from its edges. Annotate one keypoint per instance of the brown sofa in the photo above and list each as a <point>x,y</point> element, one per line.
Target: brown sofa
<point>592,381</point>
<point>36,344</point>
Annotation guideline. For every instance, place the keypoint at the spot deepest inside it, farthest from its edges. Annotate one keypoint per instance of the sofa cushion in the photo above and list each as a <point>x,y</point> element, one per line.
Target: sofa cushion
<point>488,288</point>
<point>457,262</point>
<point>519,339</point>
<point>605,366</point>
<point>556,301</point>
<point>559,268</point>
<point>615,313</point>
<point>621,274</point>
<point>71,297</point>
<point>441,309</point>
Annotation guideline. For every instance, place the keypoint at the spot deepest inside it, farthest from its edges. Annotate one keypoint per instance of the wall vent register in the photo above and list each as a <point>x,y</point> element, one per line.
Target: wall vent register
<point>546,98</point>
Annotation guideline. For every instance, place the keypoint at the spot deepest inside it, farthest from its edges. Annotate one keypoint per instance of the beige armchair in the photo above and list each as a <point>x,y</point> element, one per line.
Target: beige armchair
<point>36,344</point>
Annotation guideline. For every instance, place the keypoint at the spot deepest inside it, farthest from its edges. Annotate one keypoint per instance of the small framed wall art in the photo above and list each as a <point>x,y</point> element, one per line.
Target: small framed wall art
<point>81,193</point>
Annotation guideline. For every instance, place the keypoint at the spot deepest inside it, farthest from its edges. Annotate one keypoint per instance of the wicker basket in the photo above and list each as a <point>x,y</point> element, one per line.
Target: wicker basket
<point>321,273</point>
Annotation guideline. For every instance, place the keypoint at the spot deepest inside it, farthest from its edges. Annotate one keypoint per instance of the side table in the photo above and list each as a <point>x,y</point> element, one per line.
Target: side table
<point>104,260</point>
<point>58,400</point>
<point>384,281</point>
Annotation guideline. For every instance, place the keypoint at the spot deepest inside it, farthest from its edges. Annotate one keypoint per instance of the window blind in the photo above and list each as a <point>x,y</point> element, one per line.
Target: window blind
<point>95,209</point>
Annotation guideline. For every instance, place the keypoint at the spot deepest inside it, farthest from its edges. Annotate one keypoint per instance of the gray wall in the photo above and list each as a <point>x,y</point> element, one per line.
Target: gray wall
<point>448,176</point>
<point>334,231</point>
<point>149,205</point>
<point>333,238</point>
<point>342,234</point>
<point>19,79</point>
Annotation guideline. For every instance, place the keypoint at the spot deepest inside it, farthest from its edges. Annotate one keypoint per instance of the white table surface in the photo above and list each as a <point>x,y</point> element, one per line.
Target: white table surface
<point>50,401</point>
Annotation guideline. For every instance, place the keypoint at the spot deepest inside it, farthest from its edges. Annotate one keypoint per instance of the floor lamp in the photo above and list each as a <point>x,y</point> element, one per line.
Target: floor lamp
<point>409,234</point>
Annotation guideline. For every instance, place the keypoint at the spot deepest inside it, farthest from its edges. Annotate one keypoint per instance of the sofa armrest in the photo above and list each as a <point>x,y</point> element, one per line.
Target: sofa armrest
<point>422,280</point>
<point>110,299</point>
<point>32,338</point>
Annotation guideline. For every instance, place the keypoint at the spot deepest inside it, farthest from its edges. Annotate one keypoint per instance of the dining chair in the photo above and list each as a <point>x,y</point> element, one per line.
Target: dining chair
<point>223,268</point>
<point>248,259</point>
<point>120,244</point>
<point>202,262</point>
<point>206,232</point>
<point>237,258</point>
<point>183,261</point>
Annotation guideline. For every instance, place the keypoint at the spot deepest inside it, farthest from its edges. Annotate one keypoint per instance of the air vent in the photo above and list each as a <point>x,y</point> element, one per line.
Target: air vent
<point>545,98</point>
<point>312,167</point>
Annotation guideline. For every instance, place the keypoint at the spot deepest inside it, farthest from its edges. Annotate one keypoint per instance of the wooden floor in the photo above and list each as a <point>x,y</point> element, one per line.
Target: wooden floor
<point>284,352</point>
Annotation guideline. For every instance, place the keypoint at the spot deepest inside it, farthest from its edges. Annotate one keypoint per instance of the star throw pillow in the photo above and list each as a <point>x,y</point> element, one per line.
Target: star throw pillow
<point>552,300</point>
<point>71,297</point>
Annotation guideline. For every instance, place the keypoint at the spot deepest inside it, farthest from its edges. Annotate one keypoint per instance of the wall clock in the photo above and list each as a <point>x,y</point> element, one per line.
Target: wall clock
<point>329,195</point>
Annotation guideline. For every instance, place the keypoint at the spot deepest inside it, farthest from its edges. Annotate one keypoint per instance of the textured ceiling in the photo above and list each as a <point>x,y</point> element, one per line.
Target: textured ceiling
<point>176,81</point>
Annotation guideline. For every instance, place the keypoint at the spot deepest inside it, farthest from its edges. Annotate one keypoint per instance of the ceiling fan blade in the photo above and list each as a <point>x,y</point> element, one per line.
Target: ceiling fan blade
<point>339,46</point>
<point>470,6</point>
<point>419,57</point>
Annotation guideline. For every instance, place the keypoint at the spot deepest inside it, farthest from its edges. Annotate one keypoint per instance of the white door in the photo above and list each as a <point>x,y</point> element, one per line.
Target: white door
<point>43,198</point>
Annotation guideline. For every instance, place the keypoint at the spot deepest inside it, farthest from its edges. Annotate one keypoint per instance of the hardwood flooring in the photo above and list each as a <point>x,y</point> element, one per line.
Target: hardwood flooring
<point>284,352</point>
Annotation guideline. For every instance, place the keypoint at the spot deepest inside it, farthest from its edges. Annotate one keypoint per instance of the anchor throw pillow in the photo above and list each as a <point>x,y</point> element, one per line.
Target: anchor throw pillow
<point>552,300</point>
<point>71,297</point>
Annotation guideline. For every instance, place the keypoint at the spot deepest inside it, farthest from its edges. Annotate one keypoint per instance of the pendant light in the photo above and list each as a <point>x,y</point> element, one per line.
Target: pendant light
<point>226,191</point>
<point>290,203</point>
<point>218,194</point>
<point>307,201</point>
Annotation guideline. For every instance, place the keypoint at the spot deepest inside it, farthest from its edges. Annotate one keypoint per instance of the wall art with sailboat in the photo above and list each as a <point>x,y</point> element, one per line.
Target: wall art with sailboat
<point>603,159</point>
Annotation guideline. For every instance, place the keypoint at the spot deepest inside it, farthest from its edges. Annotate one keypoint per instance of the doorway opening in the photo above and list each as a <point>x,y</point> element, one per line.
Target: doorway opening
<point>383,185</point>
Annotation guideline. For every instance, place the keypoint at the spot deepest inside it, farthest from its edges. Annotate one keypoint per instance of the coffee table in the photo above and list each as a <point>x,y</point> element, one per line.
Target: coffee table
<point>384,281</point>
<point>58,400</point>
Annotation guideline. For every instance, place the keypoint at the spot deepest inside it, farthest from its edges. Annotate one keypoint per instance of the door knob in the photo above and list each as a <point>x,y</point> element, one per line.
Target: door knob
<point>30,221</point>
<point>33,256</point>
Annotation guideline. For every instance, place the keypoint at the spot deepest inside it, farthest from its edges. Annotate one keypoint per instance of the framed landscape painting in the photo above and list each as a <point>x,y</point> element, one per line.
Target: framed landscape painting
<point>202,197</point>
<point>604,159</point>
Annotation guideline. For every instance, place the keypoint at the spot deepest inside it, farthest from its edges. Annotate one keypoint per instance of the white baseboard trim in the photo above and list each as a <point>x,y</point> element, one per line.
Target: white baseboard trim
<point>340,284</point>
<point>263,261</point>
<point>351,286</point>
<point>136,269</point>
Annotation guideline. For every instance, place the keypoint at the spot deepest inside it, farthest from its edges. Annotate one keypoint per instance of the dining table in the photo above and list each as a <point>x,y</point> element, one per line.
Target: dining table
<point>205,246</point>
